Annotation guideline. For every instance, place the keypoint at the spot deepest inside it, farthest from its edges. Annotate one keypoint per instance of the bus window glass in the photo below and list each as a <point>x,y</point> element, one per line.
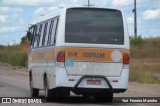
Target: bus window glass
<point>44,33</point>
<point>53,31</point>
<point>94,26</point>
<point>46,38</point>
<point>39,34</point>
<point>50,32</point>
<point>36,36</point>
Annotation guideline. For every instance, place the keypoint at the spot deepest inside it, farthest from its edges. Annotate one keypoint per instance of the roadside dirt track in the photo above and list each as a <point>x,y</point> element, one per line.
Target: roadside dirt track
<point>14,83</point>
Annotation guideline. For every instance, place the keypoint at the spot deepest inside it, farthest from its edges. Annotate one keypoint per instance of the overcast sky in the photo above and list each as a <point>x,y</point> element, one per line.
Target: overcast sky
<point>15,15</point>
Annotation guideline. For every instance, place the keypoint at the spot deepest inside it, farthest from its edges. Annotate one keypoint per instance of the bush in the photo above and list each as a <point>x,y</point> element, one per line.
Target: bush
<point>136,41</point>
<point>13,55</point>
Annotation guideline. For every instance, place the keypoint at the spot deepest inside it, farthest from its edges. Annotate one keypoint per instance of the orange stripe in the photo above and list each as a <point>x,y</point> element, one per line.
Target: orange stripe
<point>90,54</point>
<point>77,54</point>
<point>43,55</point>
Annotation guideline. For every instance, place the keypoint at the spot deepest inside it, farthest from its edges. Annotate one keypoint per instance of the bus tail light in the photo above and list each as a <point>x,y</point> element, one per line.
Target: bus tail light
<point>61,58</point>
<point>125,58</point>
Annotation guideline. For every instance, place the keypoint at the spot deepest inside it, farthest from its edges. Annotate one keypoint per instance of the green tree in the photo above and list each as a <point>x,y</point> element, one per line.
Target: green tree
<point>24,40</point>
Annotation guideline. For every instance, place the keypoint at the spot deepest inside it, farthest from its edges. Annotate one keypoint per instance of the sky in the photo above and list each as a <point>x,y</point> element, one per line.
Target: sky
<point>16,15</point>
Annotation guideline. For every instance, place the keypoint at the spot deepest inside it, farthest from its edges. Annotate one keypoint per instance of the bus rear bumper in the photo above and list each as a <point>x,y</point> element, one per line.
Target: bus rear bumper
<point>90,91</point>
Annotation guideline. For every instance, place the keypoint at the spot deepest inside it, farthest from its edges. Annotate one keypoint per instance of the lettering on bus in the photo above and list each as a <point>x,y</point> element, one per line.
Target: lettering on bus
<point>93,55</point>
<point>72,54</point>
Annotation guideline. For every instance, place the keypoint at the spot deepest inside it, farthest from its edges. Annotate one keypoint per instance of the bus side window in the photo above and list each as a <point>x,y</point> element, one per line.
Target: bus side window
<point>56,31</point>
<point>31,30</point>
<point>47,35</point>
<point>44,33</point>
<point>50,32</point>
<point>39,34</point>
<point>36,36</point>
<point>33,36</point>
<point>53,32</point>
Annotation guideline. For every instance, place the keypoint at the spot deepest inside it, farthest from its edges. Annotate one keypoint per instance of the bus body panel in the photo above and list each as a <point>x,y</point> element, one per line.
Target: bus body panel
<point>64,82</point>
<point>59,76</point>
<point>43,62</point>
<point>93,61</point>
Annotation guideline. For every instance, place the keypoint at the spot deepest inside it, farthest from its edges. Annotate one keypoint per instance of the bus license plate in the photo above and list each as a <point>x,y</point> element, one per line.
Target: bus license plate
<point>93,82</point>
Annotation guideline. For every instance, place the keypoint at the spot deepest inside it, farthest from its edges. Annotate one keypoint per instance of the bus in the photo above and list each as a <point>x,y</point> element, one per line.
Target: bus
<point>83,50</point>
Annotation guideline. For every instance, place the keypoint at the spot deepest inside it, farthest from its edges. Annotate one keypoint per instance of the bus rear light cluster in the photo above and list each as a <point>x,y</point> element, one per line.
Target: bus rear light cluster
<point>125,58</point>
<point>61,58</point>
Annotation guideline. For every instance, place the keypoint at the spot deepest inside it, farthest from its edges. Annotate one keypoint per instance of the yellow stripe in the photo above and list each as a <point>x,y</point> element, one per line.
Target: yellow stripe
<point>90,54</point>
<point>77,54</point>
<point>43,55</point>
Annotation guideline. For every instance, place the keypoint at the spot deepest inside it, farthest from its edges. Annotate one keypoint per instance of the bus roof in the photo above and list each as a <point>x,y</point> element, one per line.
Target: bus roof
<point>57,12</point>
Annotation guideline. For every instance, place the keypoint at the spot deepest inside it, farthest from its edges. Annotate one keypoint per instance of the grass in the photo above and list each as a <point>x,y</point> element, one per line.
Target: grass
<point>13,55</point>
<point>144,71</point>
<point>145,61</point>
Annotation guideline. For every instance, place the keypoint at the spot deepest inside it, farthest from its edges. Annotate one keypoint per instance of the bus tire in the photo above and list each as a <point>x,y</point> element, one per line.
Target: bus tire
<point>34,92</point>
<point>107,98</point>
<point>48,92</point>
<point>86,96</point>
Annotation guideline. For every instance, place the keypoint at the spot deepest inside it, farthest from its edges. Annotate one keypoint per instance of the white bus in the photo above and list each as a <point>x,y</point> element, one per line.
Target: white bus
<point>79,49</point>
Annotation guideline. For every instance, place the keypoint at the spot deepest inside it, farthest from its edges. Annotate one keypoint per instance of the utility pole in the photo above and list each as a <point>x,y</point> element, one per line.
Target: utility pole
<point>89,4</point>
<point>135,19</point>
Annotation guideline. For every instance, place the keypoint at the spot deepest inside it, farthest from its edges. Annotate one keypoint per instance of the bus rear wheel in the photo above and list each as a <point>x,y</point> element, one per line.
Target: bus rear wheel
<point>34,92</point>
<point>108,97</point>
<point>48,92</point>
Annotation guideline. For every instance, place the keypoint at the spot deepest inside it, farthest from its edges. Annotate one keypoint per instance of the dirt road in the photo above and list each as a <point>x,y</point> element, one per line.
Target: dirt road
<point>14,83</point>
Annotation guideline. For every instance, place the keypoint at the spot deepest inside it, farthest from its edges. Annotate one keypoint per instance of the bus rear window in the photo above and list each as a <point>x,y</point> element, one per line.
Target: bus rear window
<point>94,26</point>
